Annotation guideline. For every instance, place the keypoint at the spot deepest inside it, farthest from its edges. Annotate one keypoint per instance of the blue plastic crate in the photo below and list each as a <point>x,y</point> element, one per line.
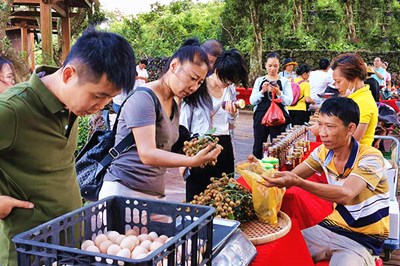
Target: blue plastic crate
<point>58,241</point>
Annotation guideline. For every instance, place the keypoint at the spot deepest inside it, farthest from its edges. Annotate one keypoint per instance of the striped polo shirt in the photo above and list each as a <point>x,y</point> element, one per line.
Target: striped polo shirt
<point>366,218</point>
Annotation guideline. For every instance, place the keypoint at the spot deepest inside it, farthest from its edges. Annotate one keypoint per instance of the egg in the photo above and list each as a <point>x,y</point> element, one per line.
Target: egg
<point>168,239</point>
<point>141,256</point>
<point>160,240</point>
<point>112,235</point>
<point>113,249</point>
<point>119,239</point>
<point>199,258</point>
<point>129,242</point>
<point>86,244</point>
<point>125,253</point>
<point>93,249</point>
<point>202,246</point>
<point>136,239</point>
<point>144,237</point>
<point>137,251</point>
<point>100,238</point>
<point>132,232</point>
<point>104,246</point>
<point>163,237</point>
<point>146,244</point>
<point>155,245</point>
<point>153,236</point>
<point>164,262</point>
<point>143,230</point>
<point>189,246</point>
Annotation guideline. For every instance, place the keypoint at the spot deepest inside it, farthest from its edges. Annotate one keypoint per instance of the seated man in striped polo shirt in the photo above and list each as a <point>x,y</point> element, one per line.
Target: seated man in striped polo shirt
<point>359,224</point>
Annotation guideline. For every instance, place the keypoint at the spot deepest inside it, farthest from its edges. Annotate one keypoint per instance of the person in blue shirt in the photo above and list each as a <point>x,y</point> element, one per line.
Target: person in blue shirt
<point>288,69</point>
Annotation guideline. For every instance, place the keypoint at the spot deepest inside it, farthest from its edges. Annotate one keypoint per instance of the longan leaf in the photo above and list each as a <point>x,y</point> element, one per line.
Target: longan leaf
<point>210,131</point>
<point>231,185</point>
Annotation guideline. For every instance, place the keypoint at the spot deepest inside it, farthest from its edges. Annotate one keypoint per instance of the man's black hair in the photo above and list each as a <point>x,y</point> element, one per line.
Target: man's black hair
<point>144,61</point>
<point>303,68</point>
<point>230,66</point>
<point>97,52</point>
<point>343,108</point>
<point>324,63</point>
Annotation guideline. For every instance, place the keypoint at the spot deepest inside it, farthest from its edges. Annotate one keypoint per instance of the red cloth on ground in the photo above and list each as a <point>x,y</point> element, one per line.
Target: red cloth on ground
<point>391,103</point>
<point>288,250</point>
<point>307,208</point>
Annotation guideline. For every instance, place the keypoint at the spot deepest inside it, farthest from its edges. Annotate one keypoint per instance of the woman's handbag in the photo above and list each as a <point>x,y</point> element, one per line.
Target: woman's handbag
<point>274,115</point>
<point>93,160</point>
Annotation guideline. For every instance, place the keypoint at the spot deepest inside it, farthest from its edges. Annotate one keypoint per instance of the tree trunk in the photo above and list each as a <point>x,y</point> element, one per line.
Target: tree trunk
<point>256,55</point>
<point>348,8</point>
<point>6,49</point>
<point>298,15</point>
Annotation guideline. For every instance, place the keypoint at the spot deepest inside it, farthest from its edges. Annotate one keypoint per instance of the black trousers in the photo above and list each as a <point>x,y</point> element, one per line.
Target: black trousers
<point>262,132</point>
<point>299,117</point>
<point>199,178</point>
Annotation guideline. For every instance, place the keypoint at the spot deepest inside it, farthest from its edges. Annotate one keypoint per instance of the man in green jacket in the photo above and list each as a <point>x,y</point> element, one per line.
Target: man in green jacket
<point>39,129</point>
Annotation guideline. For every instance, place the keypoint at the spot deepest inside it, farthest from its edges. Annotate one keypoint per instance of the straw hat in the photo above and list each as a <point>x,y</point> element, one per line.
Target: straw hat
<point>289,61</point>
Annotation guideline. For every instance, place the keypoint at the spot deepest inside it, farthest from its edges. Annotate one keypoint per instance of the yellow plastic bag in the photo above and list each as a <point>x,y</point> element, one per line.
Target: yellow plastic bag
<point>266,201</point>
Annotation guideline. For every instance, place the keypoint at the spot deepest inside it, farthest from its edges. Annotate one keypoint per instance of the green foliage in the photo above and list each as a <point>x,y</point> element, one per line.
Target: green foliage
<point>371,25</point>
<point>83,132</point>
<point>4,7</point>
<point>161,31</point>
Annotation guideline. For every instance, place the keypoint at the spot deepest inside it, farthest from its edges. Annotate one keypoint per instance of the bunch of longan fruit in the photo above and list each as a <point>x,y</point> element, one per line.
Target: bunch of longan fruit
<point>192,147</point>
<point>230,199</point>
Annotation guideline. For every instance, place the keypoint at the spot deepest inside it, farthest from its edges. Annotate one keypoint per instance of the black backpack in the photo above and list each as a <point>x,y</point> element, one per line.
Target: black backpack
<point>93,160</point>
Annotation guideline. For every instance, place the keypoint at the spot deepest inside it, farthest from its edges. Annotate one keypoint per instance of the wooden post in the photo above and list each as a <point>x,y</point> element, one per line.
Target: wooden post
<point>66,34</point>
<point>46,31</point>
<point>24,41</point>
<point>32,51</point>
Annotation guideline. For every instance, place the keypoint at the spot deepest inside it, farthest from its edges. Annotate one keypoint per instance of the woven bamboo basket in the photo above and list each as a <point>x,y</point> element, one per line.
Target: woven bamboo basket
<point>261,233</point>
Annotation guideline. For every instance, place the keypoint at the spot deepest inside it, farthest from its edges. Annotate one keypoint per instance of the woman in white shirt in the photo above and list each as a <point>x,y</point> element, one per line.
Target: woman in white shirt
<point>201,112</point>
<point>261,99</point>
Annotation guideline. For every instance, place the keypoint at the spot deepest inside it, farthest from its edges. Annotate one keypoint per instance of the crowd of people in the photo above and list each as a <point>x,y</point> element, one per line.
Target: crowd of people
<point>196,90</point>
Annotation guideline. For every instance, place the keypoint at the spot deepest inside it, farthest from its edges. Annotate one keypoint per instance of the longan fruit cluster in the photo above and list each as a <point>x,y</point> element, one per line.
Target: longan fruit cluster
<point>230,199</point>
<point>192,147</point>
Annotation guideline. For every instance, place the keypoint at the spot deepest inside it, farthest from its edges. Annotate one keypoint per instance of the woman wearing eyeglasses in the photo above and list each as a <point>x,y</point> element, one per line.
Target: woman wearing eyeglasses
<point>6,74</point>
<point>214,108</point>
<point>152,116</point>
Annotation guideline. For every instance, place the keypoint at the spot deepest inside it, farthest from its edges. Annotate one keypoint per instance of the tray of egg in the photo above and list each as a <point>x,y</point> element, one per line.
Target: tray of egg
<point>129,245</point>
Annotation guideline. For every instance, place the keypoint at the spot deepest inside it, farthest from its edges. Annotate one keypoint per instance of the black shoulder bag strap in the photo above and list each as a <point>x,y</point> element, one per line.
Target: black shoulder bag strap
<point>129,139</point>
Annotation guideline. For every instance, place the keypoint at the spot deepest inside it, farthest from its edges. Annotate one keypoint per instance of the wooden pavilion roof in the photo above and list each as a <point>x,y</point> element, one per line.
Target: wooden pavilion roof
<point>25,13</point>
<point>29,16</point>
